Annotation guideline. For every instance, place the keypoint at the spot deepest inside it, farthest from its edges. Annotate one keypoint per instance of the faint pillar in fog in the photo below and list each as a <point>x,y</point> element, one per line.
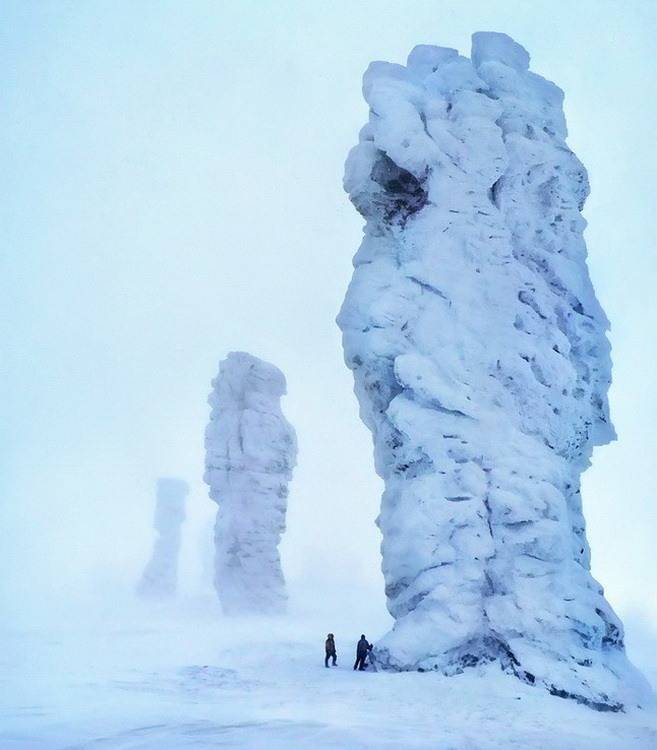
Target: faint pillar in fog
<point>160,577</point>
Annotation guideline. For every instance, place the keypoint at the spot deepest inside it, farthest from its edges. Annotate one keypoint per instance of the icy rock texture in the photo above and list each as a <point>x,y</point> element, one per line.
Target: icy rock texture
<point>481,367</point>
<point>251,451</point>
<point>160,577</point>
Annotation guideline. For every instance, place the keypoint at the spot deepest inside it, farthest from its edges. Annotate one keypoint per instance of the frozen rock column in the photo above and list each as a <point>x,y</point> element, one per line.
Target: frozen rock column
<point>160,576</point>
<point>251,451</point>
<point>481,367</point>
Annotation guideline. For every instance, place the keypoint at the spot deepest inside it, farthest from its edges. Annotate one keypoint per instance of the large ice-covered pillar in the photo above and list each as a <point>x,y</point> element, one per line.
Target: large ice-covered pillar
<point>481,367</point>
<point>251,451</point>
<point>160,576</point>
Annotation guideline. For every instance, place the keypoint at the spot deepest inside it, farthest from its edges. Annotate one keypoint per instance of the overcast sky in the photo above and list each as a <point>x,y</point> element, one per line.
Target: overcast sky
<point>172,191</point>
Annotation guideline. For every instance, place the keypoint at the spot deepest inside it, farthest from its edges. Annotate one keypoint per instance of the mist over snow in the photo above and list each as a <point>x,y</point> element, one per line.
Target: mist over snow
<point>172,193</point>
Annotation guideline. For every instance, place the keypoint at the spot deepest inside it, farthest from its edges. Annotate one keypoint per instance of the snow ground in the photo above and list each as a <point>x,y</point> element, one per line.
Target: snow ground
<point>162,680</point>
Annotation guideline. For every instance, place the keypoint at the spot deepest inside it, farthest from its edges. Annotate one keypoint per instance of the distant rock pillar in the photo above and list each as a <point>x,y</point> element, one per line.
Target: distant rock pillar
<point>160,576</point>
<point>251,450</point>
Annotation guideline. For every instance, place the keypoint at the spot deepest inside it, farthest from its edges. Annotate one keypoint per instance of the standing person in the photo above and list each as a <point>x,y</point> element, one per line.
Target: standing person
<point>362,650</point>
<point>331,653</point>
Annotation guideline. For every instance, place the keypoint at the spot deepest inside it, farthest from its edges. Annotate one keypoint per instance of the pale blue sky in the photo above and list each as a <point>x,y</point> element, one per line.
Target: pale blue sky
<point>172,191</point>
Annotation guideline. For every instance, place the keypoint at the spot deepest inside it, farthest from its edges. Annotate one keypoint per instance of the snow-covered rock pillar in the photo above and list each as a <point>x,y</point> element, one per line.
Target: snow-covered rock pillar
<point>251,451</point>
<point>481,367</point>
<point>160,577</point>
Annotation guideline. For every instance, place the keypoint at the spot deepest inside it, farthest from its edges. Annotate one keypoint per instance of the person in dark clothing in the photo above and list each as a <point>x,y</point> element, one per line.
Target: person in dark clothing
<point>362,650</point>
<point>331,653</point>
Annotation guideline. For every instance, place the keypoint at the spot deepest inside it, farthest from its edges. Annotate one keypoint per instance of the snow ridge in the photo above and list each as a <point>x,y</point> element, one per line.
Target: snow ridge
<point>250,454</point>
<point>481,366</point>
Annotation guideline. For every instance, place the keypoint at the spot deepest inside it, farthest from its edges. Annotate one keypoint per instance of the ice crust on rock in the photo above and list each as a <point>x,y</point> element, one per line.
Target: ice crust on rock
<point>481,366</point>
<point>251,451</point>
<point>160,576</point>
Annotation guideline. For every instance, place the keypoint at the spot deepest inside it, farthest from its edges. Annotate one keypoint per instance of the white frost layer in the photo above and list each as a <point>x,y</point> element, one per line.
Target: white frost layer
<point>250,453</point>
<point>481,367</point>
<point>160,577</point>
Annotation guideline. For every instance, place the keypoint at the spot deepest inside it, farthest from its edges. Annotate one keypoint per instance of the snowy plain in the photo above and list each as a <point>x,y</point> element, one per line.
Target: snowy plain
<point>139,676</point>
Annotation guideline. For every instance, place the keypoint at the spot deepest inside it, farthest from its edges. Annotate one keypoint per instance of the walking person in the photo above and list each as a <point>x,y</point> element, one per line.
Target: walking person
<point>331,653</point>
<point>362,650</point>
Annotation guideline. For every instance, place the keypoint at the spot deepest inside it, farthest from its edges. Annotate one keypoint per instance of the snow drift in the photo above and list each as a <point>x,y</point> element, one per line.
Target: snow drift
<point>481,367</point>
<point>250,453</point>
<point>160,576</point>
